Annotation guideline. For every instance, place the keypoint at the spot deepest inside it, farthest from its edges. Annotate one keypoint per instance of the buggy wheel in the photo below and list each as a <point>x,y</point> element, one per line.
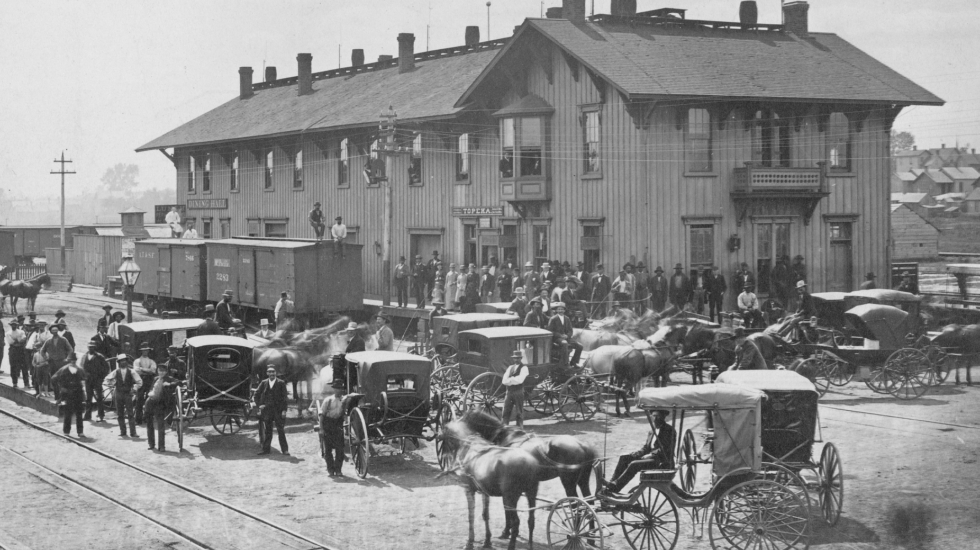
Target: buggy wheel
<point>759,514</point>
<point>651,521</point>
<point>544,398</point>
<point>485,393</point>
<point>446,378</point>
<point>877,382</point>
<point>445,414</point>
<point>580,398</point>
<point>831,489</point>
<point>443,454</point>
<point>688,461</point>
<point>839,372</point>
<point>815,370</point>
<point>180,422</point>
<point>940,362</point>
<point>573,525</point>
<point>357,438</point>
<point>781,474</point>
<point>227,423</point>
<point>908,373</point>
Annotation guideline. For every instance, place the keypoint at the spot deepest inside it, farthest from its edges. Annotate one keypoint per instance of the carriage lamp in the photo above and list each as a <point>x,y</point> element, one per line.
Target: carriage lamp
<point>129,272</point>
<point>734,243</point>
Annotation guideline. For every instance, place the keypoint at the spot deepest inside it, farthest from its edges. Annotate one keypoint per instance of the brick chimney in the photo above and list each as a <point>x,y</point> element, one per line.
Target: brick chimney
<point>305,63</point>
<point>795,18</point>
<point>383,58</point>
<point>623,8</point>
<point>472,36</point>
<point>573,10</point>
<point>748,13</point>
<point>270,74</point>
<point>356,58</point>
<point>553,13</point>
<point>406,52</point>
<point>245,82</point>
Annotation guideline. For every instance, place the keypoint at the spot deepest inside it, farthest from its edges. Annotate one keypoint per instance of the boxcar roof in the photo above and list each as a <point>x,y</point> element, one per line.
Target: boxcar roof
<point>769,380</point>
<point>185,242</point>
<point>494,333</point>
<point>886,295</point>
<point>270,243</point>
<point>164,324</point>
<point>704,396</point>
<point>221,340</point>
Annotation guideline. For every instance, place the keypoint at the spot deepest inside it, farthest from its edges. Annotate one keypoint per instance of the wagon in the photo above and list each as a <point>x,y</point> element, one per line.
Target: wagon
<point>485,354</point>
<point>158,334</point>
<point>391,403</point>
<point>749,504</point>
<point>218,386</point>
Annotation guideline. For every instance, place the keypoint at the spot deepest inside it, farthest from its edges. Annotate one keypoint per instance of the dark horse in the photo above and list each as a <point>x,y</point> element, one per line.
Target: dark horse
<point>493,471</point>
<point>27,290</point>
<point>561,456</point>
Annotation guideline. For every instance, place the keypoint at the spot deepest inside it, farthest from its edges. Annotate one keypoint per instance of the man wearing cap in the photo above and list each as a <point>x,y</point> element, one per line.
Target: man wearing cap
<point>222,311</point>
<point>124,382</point>
<point>70,381</point>
<point>330,413</point>
<point>419,277</point>
<point>176,366</point>
<point>106,318</point>
<point>270,397</point>
<point>656,454</point>
<point>869,281</point>
<point>536,318</point>
<point>401,281</point>
<point>96,369</point>
<point>147,369</point>
<point>680,288</point>
<point>438,310</point>
<point>16,341</point>
<point>432,272</point>
<point>659,290</point>
<point>519,305</point>
<point>531,280</point>
<point>284,309</point>
<point>338,232</point>
<point>386,338</point>
<point>156,408</point>
<point>748,356</point>
<point>209,326</point>
<point>561,329</point>
<point>748,306</point>
<point>505,282</point>
<point>264,330</point>
<point>513,382</point>
<point>716,288</point>
<point>317,221</point>
<point>601,287</point>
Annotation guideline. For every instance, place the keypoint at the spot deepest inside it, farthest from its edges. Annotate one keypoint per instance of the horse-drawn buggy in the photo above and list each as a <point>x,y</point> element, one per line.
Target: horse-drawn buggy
<point>444,331</point>
<point>159,334</point>
<point>749,503</point>
<point>390,402</point>
<point>218,386</point>
<point>551,386</point>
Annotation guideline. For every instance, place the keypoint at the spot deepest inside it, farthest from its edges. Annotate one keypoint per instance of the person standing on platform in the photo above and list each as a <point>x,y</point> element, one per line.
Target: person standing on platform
<point>419,278</point>
<point>432,270</point>
<point>439,290</point>
<point>680,288</point>
<point>338,232</point>
<point>156,408</point>
<point>519,305</point>
<point>461,286</point>
<point>452,280</point>
<point>486,284</point>
<point>659,290</point>
<point>472,291</point>
<point>386,338</point>
<point>601,287</point>
<point>55,351</point>
<point>270,398</point>
<point>124,382</point>
<point>623,289</point>
<point>209,325</point>
<point>70,381</point>
<point>330,413</point>
<point>16,341</point>
<point>513,383</point>
<point>715,282</point>
<point>642,287</point>
<point>401,281</point>
<point>780,281</point>
<point>147,369</point>
<point>531,280</point>
<point>222,311</point>
<point>317,221</point>
<point>96,368</point>
<point>284,310</point>
<point>505,282</point>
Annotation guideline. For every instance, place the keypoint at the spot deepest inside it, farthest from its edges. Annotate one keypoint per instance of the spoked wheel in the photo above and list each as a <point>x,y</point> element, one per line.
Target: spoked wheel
<point>877,381</point>
<point>357,438</point>
<point>544,398</point>
<point>180,422</point>
<point>941,363</point>
<point>227,423</point>
<point>574,525</point>
<point>831,490</point>
<point>580,398</point>
<point>840,372</point>
<point>908,373</point>
<point>444,451</point>
<point>651,522</point>
<point>760,514</point>
<point>485,393</point>
<point>446,378</point>
<point>784,476</point>
<point>445,414</point>
<point>688,461</point>
<point>815,369</point>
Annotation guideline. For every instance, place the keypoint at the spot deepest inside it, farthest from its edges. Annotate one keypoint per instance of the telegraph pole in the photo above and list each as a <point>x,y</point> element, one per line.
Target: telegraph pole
<point>63,173</point>
<point>390,150</point>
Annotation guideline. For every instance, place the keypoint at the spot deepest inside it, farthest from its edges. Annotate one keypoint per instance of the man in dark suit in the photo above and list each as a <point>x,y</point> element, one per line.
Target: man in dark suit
<point>432,272</point>
<point>716,288</point>
<point>601,287</point>
<point>270,397</point>
<point>420,275</point>
<point>222,312</point>
<point>209,326</point>
<point>680,288</point>
<point>658,290</point>
<point>536,318</point>
<point>561,328</point>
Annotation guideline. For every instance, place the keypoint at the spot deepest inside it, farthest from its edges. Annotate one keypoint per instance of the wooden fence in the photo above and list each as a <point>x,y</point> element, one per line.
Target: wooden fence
<point>25,272</point>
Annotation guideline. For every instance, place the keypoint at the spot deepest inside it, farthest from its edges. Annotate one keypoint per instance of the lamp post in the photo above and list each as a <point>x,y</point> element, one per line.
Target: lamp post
<point>129,272</point>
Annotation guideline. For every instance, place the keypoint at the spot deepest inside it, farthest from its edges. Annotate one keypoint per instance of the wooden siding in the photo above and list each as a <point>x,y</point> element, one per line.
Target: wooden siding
<point>95,258</point>
<point>913,238</point>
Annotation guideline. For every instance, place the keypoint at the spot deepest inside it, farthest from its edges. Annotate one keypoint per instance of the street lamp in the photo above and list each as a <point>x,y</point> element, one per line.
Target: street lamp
<point>129,272</point>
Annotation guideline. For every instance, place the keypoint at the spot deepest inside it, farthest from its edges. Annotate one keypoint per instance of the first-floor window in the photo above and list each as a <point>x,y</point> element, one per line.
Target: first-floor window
<point>469,243</point>
<point>539,235</point>
<point>702,246</point>
<point>772,243</point>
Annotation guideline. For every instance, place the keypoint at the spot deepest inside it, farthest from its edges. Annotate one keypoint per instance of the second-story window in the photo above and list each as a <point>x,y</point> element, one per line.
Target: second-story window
<point>697,141</point>
<point>463,157</point>
<point>343,164</point>
<point>522,147</point>
<point>269,165</point>
<point>206,182</point>
<point>375,168</point>
<point>415,165</point>
<point>191,174</point>
<point>771,144</point>
<point>298,169</point>
<point>593,131</point>
<point>839,142</point>
<point>233,173</point>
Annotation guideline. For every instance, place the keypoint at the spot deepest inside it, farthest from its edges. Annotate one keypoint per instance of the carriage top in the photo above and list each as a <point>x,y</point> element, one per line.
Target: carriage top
<point>884,295</point>
<point>701,397</point>
<point>829,296</point>
<point>161,325</point>
<point>159,334</point>
<point>768,380</point>
<point>213,340</point>
<point>886,324</point>
<point>391,371</point>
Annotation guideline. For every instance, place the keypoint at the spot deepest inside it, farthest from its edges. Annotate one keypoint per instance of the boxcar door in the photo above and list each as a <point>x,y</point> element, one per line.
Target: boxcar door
<point>269,278</point>
<point>246,276</point>
<point>163,271</point>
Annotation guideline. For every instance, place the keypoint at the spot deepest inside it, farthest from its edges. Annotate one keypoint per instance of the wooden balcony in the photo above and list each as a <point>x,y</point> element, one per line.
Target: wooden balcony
<point>757,187</point>
<point>525,189</point>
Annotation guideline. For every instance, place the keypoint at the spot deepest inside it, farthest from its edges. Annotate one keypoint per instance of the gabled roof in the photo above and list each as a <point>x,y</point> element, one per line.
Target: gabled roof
<point>909,153</point>
<point>934,174</point>
<point>905,176</point>
<point>913,198</point>
<point>962,174</point>
<point>653,61</point>
<point>341,99</point>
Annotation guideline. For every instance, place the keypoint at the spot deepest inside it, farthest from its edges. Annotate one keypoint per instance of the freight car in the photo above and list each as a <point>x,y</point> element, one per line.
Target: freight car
<point>174,275</point>
<point>30,241</point>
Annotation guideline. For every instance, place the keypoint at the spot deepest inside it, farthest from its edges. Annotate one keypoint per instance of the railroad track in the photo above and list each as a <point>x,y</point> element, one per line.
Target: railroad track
<point>83,469</point>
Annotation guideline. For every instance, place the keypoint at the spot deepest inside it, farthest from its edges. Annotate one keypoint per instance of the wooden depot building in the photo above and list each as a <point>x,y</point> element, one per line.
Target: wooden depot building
<point>617,137</point>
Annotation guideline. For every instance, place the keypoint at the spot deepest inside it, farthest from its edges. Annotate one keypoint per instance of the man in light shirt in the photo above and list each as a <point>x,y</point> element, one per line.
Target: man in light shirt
<point>16,340</point>
<point>190,233</point>
<point>513,382</point>
<point>386,338</point>
<point>284,309</point>
<point>173,220</point>
<point>748,305</point>
<point>124,382</point>
<point>147,369</point>
<point>339,232</point>
<point>264,330</point>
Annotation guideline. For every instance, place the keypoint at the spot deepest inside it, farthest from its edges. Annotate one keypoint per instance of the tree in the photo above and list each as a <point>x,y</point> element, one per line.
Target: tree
<point>121,178</point>
<point>902,141</point>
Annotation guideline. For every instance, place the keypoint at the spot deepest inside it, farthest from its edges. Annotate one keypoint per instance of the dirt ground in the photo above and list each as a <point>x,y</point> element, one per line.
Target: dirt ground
<point>897,456</point>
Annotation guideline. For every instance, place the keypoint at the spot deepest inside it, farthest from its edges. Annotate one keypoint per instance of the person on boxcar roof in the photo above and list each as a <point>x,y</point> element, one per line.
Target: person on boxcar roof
<point>317,221</point>
<point>173,220</point>
<point>222,312</point>
<point>190,233</point>
<point>339,233</point>
<point>209,326</point>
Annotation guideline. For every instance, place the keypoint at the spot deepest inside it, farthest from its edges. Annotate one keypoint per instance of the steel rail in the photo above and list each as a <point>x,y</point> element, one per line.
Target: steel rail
<point>316,544</point>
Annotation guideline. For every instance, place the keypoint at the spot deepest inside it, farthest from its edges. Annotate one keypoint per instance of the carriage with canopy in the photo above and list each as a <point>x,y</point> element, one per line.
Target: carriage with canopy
<point>218,386</point>
<point>749,504</point>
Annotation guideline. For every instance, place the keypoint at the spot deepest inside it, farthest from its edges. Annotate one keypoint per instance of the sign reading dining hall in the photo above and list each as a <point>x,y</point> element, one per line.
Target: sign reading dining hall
<point>207,204</point>
<point>478,211</point>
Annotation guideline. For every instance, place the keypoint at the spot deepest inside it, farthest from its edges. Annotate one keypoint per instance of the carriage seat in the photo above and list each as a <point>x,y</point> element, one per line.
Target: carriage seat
<point>656,476</point>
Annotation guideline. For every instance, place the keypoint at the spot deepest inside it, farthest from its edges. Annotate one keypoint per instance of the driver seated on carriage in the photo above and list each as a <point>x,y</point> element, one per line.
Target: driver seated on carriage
<point>748,305</point>
<point>656,454</point>
<point>562,329</point>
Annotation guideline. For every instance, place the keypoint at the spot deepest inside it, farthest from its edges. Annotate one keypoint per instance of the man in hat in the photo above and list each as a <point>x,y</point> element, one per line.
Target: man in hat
<point>70,381</point>
<point>432,272</point>
<point>623,288</point>
<point>748,356</point>
<point>461,277</point>
<point>601,287</point>
<point>96,368</point>
<point>471,291</point>
<point>176,366</point>
<point>106,318</point>
<point>536,318</point>
<point>338,232</point>
<point>548,275</point>
<point>531,280</point>
<point>59,316</point>
<point>66,334</point>
<point>147,369</point>
<point>402,275</point>
<point>748,306</point>
<point>907,284</point>
<point>386,338</point>
<point>222,311</point>
<point>103,343</point>
<point>505,282</point>
<point>420,275</point>
<point>16,341</point>
<point>124,382</point>
<point>330,413</point>
<point>284,309</point>
<point>190,232</point>
<point>806,308</point>
<point>39,365</point>
<point>173,220</point>
<point>356,341</point>
<point>561,329</point>
<point>118,318</point>
<point>156,408</point>
<point>519,305</point>
<point>656,454</point>
<point>264,330</point>
<point>513,382</point>
<point>438,310</point>
<point>209,326</point>
<point>680,288</point>
<point>317,221</point>
<point>659,290</point>
<point>716,288</point>
<point>486,284</point>
<point>642,287</point>
<point>56,349</point>
<point>270,398</point>
<point>869,281</point>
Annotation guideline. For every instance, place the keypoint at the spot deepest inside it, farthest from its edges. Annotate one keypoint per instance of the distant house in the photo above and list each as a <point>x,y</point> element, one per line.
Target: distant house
<point>913,236</point>
<point>916,201</point>
<point>932,181</point>
<point>963,178</point>
<point>906,161</point>
<point>943,157</point>
<point>971,204</point>
<point>902,182</point>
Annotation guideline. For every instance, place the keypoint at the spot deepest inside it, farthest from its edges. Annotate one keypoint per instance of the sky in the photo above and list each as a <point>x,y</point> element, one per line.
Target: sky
<point>97,79</point>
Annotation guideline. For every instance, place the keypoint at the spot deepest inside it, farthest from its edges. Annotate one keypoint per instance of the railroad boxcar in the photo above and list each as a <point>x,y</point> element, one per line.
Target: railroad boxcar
<point>174,275</point>
<point>30,241</point>
<point>257,270</point>
<point>7,256</point>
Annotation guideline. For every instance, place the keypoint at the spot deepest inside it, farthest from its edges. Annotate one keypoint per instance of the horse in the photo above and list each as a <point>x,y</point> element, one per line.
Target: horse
<point>594,339</point>
<point>493,471</point>
<point>561,456</point>
<point>28,290</point>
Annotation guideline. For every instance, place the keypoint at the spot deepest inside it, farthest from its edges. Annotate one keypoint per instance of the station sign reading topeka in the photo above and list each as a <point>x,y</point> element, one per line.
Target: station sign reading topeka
<point>207,204</point>
<point>478,211</point>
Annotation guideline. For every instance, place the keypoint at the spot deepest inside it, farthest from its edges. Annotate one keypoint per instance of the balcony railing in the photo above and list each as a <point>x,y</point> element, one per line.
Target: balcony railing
<point>762,179</point>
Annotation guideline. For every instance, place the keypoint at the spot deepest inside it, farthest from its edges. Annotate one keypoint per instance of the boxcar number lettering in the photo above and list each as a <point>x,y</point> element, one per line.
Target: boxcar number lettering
<point>221,262</point>
<point>221,277</point>
<point>189,257</point>
<point>246,260</point>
